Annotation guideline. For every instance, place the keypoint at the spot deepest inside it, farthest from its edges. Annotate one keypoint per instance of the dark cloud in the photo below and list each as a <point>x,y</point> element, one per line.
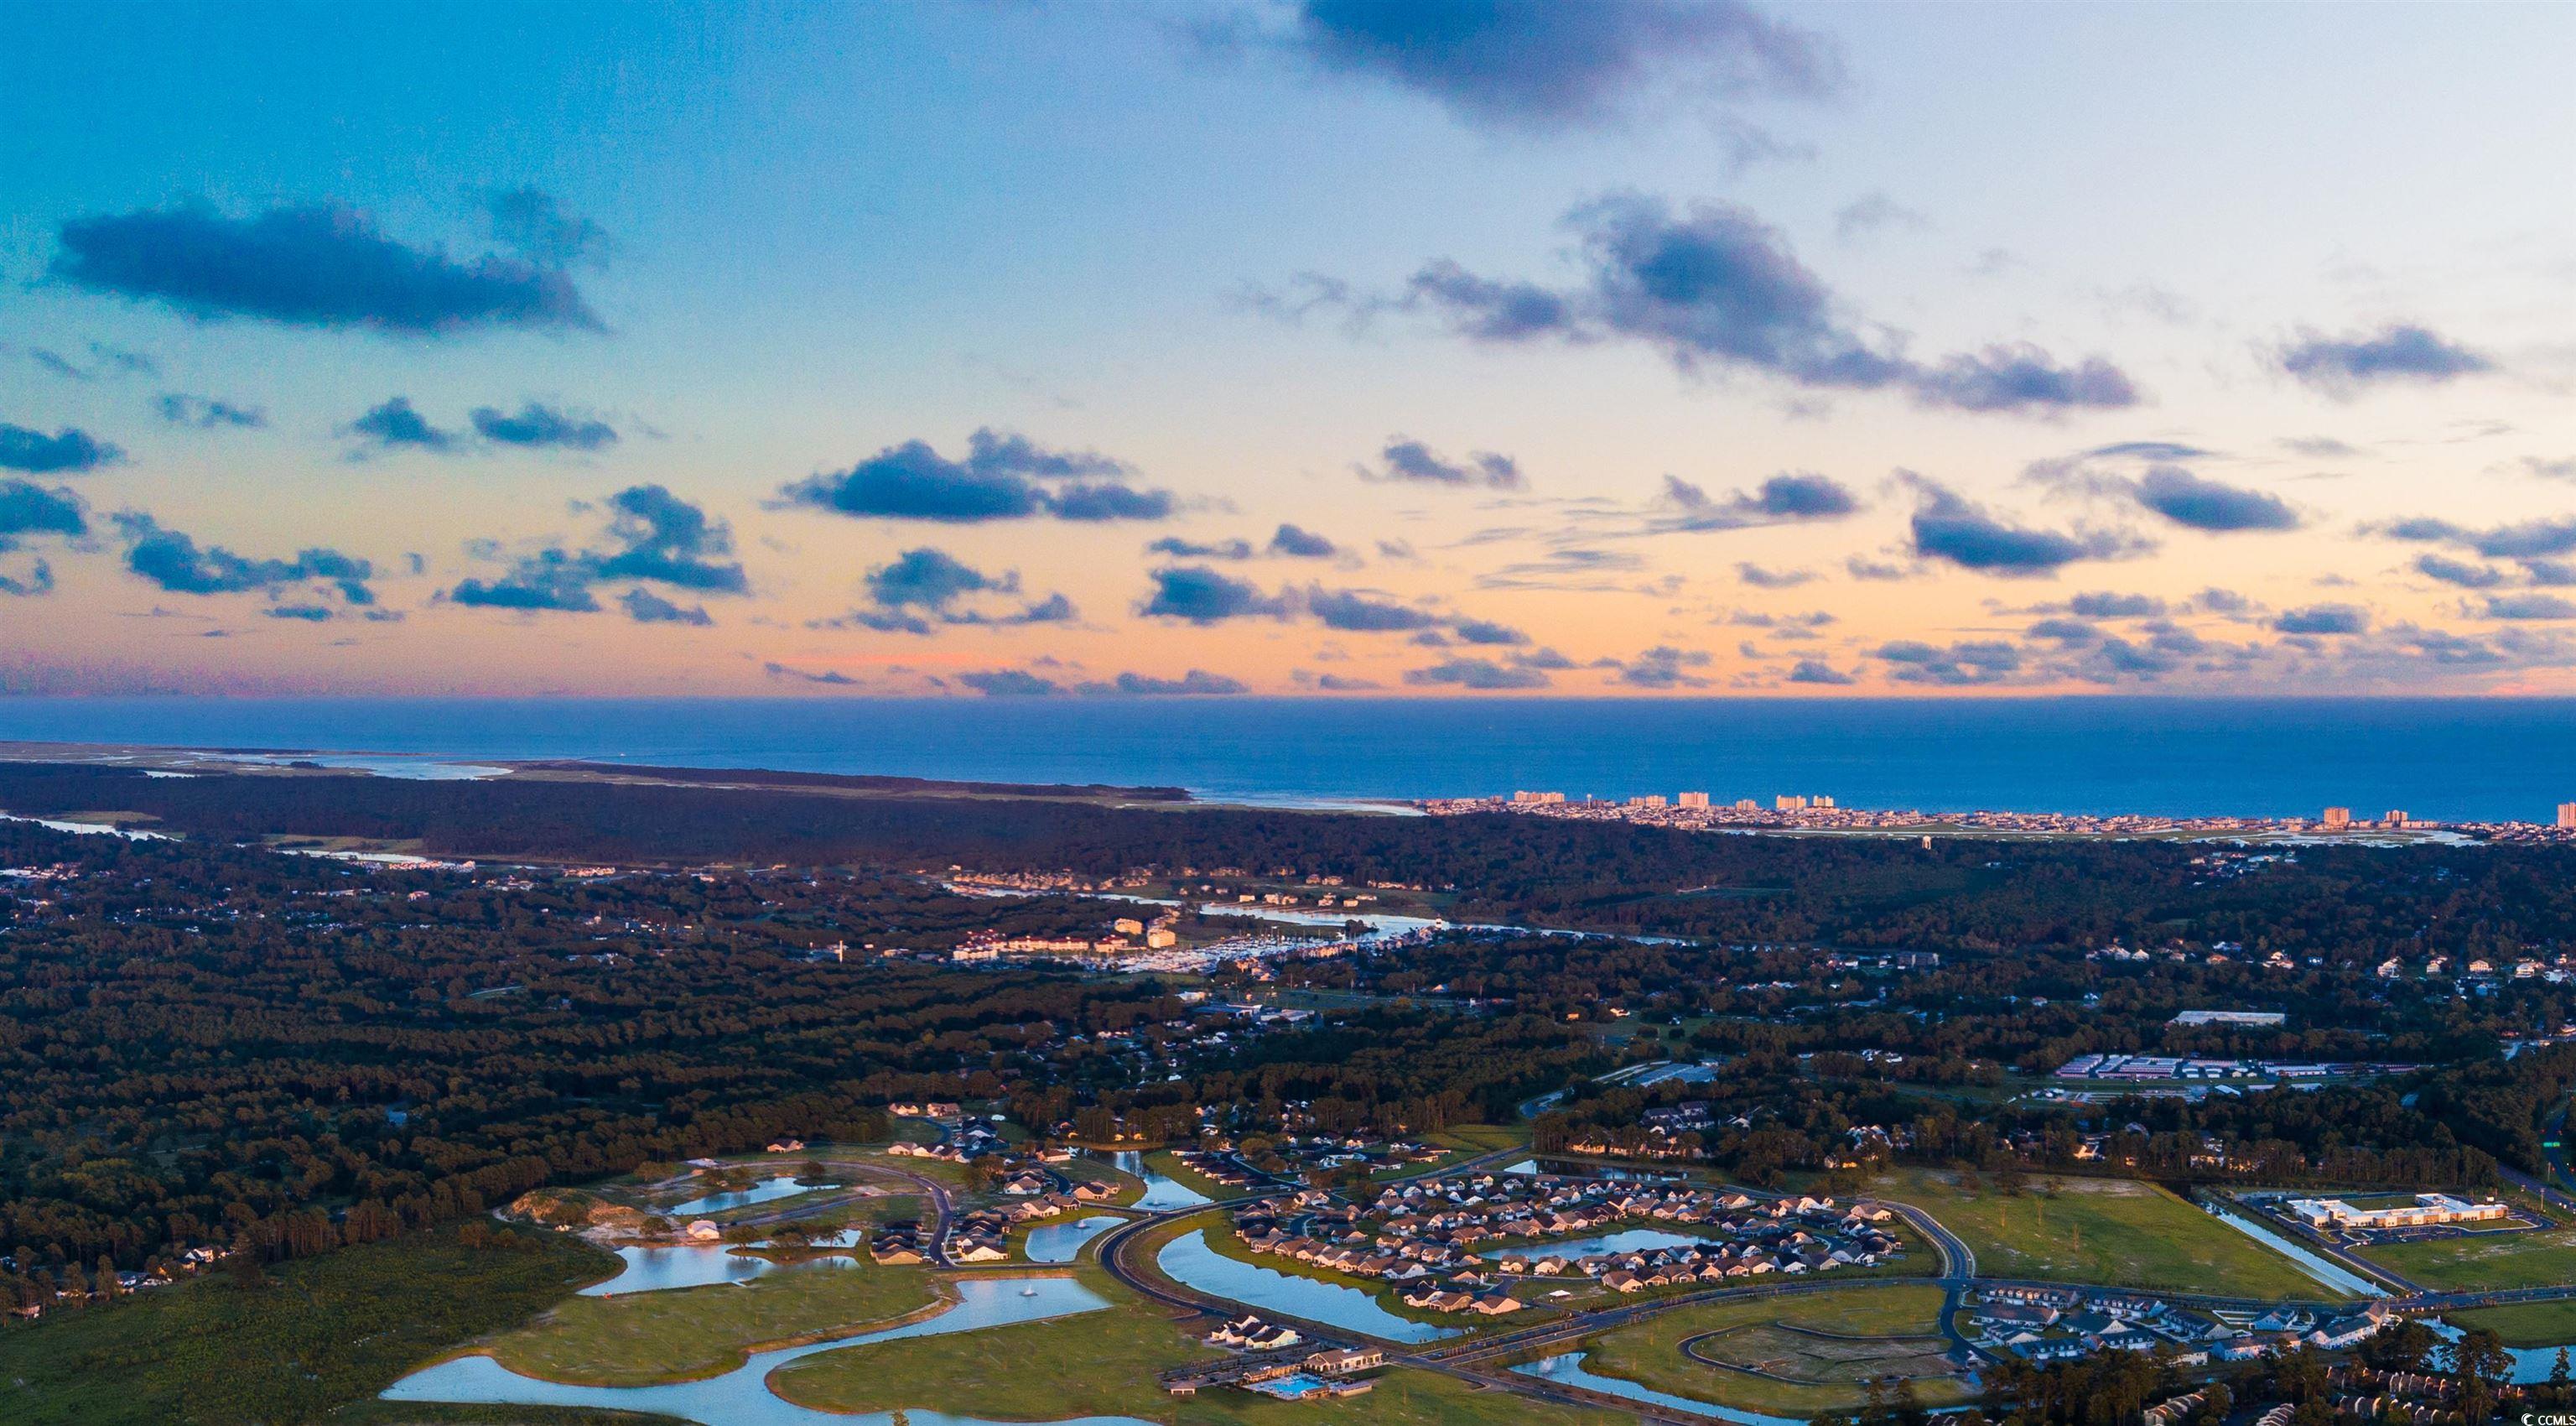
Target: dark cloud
<point>2529,606</point>
<point>1203,596</point>
<point>2223,601</point>
<point>655,538</point>
<point>1336,683</point>
<point>1479,631</point>
<point>539,425</point>
<point>1003,477</point>
<point>529,222</point>
<point>1786,498</point>
<point>109,361</point>
<point>1410,460</point>
<point>2065,631</point>
<point>1714,286</point>
<point>1302,544</point>
<point>394,425</point>
<point>1761,577</point>
<point>310,267</point>
<point>1483,675</point>
<point>645,607</point>
<point>2149,451</point>
<point>1548,659</point>
<point>69,451</point>
<point>1817,671</point>
<point>2401,352</point>
<point>1539,64</point>
<point>2188,499</point>
<point>1009,683</point>
<point>1353,612</point>
<point>309,613</point>
<point>208,413</point>
<point>2529,540</point>
<point>1196,682</point>
<point>926,586</point>
<point>669,541</point>
<point>1957,666</point>
<point>1179,548</point>
<point>173,560</point>
<point>548,579</point>
<point>2459,572</point>
<point>1663,667</point>
<point>28,509</point>
<point>1948,527</point>
<point>2323,619</point>
<point>2104,604</point>
<point>1878,571</point>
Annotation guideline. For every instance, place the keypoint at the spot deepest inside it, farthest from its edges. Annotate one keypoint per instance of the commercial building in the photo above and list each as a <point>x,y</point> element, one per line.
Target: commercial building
<point>2337,818</point>
<point>1692,799</point>
<point>2428,1210</point>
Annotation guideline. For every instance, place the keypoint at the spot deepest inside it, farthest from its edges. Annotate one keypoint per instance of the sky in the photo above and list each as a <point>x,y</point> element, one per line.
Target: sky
<point>1311,347</point>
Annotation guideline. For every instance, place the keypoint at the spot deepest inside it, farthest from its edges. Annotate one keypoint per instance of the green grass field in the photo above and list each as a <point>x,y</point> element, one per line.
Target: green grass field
<point>686,1333</point>
<point>1169,1165</point>
<point>1903,1317</point>
<point>2525,1324</point>
<point>320,1334</point>
<point>2478,1261</point>
<point>2114,1232</point>
<point>1103,1363</point>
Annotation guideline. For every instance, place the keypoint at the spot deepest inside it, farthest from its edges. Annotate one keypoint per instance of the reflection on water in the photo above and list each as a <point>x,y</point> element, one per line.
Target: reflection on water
<point>1569,1369</point>
<point>1162,1191</point>
<point>1578,1168</point>
<point>741,1397</point>
<point>658,1269</point>
<point>1062,1242</point>
<point>783,1186</point>
<point>1191,1261</point>
<point>1632,1240</point>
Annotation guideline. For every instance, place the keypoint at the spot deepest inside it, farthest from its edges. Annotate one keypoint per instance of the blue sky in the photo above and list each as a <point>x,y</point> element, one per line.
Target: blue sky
<point>1829,347</point>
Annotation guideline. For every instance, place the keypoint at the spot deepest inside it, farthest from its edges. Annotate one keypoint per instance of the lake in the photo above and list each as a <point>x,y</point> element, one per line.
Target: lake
<point>1189,1260</point>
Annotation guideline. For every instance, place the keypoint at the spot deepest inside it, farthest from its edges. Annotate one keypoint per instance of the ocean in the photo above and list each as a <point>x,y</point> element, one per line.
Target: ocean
<point>2483,759</point>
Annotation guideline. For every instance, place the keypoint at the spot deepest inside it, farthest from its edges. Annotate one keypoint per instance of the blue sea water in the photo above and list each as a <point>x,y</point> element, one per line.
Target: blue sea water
<point>2440,758</point>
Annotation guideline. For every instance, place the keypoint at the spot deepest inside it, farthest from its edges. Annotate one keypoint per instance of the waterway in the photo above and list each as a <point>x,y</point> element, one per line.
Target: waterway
<point>2323,1269</point>
<point>1630,1240</point>
<point>741,1397</point>
<point>1579,1168</point>
<point>1569,1369</point>
<point>1189,1260</point>
<point>693,1265</point>
<point>1062,1242</point>
<point>783,1186</point>
<point>1162,1191</point>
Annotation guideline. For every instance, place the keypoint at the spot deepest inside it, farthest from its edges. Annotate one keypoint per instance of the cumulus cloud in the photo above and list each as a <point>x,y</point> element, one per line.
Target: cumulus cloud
<point>646,607</point>
<point>2202,504</point>
<point>1663,667</point>
<point>1946,526</point>
<point>1817,671</point>
<point>1003,477</point>
<point>653,537</point>
<point>68,451</point>
<point>208,413</point>
<point>1764,577</point>
<point>396,425</point>
<point>31,511</point>
<point>1196,682</point>
<point>313,266</point>
<point>1179,548</point>
<point>2529,606</point>
<point>1405,459</point>
<point>1787,498</point>
<point>1009,683</point>
<point>2459,572</point>
<point>1538,64</point>
<point>1481,675</point>
<point>923,587</point>
<point>1479,631</point>
<point>536,425</point>
<point>2527,540</point>
<point>1714,288</point>
<point>1202,596</point>
<point>2106,604</point>
<point>1338,683</point>
<point>2323,619</point>
<point>1354,612</point>
<point>1302,544</point>
<point>1958,665</point>
<point>172,560</point>
<point>2402,352</point>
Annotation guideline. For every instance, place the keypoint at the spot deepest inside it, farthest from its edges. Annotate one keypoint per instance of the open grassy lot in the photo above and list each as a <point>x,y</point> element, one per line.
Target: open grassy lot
<point>1103,1363</point>
<point>320,1333</point>
<point>2115,1232</point>
<point>1169,1165</point>
<point>1890,1328</point>
<point>1463,1142</point>
<point>2476,1261</point>
<point>2524,1324</point>
<point>691,1332</point>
